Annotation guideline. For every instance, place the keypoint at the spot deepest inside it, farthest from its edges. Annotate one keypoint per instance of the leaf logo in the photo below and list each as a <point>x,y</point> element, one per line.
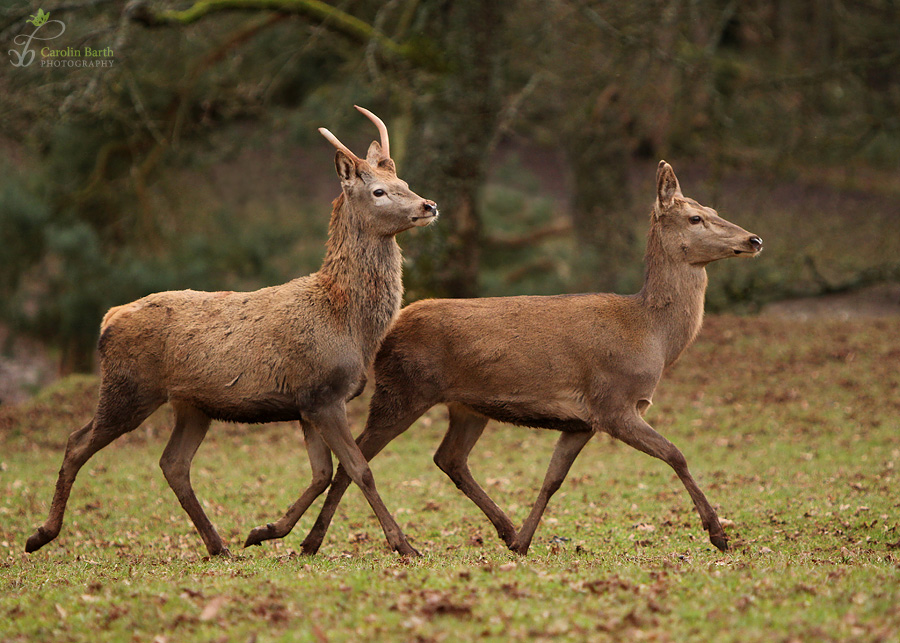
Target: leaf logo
<point>39,19</point>
<point>26,56</point>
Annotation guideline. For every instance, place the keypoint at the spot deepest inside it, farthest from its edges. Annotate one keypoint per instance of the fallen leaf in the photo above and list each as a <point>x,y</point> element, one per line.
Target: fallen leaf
<point>414,622</point>
<point>212,609</point>
<point>441,603</point>
<point>319,634</point>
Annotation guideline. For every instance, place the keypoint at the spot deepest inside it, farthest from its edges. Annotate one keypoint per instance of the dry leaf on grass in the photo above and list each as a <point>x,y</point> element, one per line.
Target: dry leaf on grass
<point>212,609</point>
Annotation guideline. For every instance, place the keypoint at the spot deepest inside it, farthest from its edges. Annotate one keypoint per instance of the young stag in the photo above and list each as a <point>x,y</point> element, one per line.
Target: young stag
<point>578,364</point>
<point>296,351</point>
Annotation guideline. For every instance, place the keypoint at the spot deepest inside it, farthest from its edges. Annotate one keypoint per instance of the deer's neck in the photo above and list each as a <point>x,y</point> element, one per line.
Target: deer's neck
<point>673,295</point>
<point>362,277</point>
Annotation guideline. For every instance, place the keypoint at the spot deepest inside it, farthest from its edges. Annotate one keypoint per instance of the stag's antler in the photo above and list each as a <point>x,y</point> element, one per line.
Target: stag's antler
<point>382,129</point>
<point>334,141</point>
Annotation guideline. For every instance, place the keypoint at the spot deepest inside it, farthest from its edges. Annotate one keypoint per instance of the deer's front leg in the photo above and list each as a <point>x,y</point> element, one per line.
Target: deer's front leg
<point>331,422</point>
<point>320,463</point>
<point>635,432</point>
<point>386,421</point>
<point>191,426</point>
<point>452,457</point>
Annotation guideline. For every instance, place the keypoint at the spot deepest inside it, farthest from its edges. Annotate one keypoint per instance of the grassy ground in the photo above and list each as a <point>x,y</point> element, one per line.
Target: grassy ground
<point>791,429</point>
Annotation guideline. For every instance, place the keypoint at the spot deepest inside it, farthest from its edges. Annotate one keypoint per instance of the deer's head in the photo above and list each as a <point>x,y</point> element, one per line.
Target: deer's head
<point>383,204</point>
<point>694,232</point>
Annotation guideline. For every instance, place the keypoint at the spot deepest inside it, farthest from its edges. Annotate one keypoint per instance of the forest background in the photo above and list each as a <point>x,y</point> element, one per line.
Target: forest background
<point>193,161</point>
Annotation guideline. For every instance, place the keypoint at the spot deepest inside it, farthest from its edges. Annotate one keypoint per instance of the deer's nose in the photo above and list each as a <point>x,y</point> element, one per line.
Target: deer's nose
<point>431,208</point>
<point>756,243</point>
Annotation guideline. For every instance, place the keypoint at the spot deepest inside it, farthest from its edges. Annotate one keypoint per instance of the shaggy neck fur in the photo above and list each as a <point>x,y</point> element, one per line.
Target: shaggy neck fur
<point>362,276</point>
<point>673,294</point>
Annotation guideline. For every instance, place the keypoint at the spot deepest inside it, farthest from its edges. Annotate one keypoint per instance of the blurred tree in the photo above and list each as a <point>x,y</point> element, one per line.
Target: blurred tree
<point>455,113</point>
<point>447,64</point>
<point>84,228</point>
<point>585,104</point>
<point>762,84</point>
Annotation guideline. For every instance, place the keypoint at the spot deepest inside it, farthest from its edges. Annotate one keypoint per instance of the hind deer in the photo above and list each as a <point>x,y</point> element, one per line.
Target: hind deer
<point>296,351</point>
<point>578,364</point>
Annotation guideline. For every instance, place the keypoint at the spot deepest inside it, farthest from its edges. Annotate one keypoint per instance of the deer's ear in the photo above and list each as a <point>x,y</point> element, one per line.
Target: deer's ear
<point>345,166</point>
<point>376,158</point>
<point>388,165</point>
<point>374,154</point>
<point>667,187</point>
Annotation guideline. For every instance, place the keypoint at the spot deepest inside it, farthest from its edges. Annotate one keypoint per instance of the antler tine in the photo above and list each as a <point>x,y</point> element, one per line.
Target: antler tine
<point>334,141</point>
<point>382,129</point>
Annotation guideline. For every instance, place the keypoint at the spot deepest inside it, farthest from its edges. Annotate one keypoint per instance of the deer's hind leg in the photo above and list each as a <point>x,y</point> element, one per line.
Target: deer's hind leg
<point>122,406</point>
<point>191,425</point>
<point>321,465</point>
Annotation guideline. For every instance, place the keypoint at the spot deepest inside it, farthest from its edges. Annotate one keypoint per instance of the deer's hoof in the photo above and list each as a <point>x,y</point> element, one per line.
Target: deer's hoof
<point>260,534</point>
<point>37,540</point>
<point>310,548</point>
<point>719,540</point>
<point>510,538</point>
<point>518,548</point>
<point>405,549</point>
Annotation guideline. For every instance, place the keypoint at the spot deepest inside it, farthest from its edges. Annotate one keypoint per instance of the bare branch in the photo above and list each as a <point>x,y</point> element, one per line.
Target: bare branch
<point>86,95</point>
<point>557,228</point>
<point>511,111</point>
<point>340,21</point>
<point>882,60</point>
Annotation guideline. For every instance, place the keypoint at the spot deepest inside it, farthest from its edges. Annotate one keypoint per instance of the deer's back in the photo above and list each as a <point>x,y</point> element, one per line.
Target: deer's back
<point>249,356</point>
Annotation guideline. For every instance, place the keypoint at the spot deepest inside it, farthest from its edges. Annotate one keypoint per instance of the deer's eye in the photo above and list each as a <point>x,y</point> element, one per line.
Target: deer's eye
<point>696,219</point>
<point>378,192</point>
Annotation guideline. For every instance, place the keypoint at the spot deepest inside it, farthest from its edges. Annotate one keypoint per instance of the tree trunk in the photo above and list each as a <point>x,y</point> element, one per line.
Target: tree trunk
<point>454,117</point>
<point>598,150</point>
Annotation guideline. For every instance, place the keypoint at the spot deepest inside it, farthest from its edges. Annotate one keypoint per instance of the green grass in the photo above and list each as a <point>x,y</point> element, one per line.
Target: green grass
<point>792,430</point>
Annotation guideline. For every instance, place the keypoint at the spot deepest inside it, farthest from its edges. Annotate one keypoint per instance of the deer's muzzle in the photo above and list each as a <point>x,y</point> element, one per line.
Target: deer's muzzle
<point>754,246</point>
<point>429,214</point>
